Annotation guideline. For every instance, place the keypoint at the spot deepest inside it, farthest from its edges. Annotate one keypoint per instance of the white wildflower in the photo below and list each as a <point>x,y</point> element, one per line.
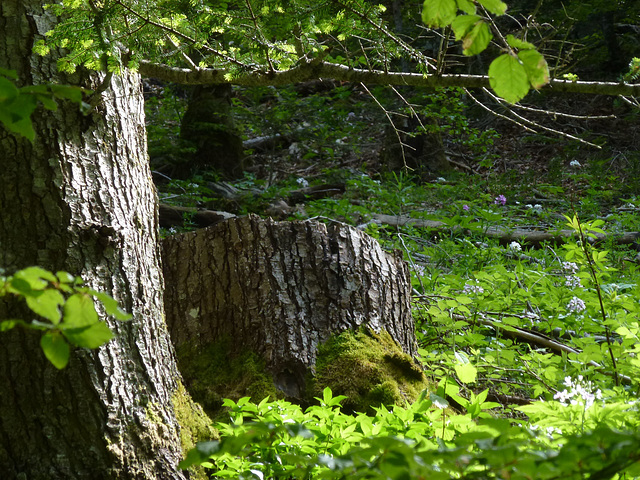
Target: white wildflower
<point>515,246</point>
<point>570,267</point>
<point>575,164</point>
<point>578,392</point>
<point>303,182</point>
<point>468,289</point>
<point>572,281</point>
<point>576,305</point>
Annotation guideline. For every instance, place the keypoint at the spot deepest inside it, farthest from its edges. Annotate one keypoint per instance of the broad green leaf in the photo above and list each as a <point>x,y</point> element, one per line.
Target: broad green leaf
<point>9,324</point>
<point>462,24</point>
<point>8,90</point>
<point>519,44</point>
<point>494,6</point>
<point>67,92</point>
<point>9,73</point>
<point>466,372</point>
<point>535,66</point>
<point>467,6</point>
<point>46,303</point>
<point>111,306</point>
<point>91,336</point>
<point>48,102</point>
<point>37,277</point>
<point>56,349</point>
<point>439,13</point>
<point>477,39</point>
<point>79,311</point>
<point>508,78</point>
<point>20,286</point>
<point>65,277</point>
<point>438,401</point>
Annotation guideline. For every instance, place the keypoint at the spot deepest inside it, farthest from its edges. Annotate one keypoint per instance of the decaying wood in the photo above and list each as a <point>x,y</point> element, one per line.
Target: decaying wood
<point>172,216</point>
<point>532,236</point>
<point>281,288</point>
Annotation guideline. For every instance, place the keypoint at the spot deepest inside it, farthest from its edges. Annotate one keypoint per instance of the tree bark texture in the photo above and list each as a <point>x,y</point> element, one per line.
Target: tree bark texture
<point>80,199</point>
<point>281,288</point>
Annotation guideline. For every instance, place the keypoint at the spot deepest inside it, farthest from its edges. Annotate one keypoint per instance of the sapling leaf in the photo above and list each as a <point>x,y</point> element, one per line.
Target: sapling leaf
<point>477,40</point>
<point>55,348</point>
<point>89,336</point>
<point>494,6</point>
<point>79,311</point>
<point>536,67</point>
<point>46,303</point>
<point>508,78</point>
<point>466,372</point>
<point>438,13</point>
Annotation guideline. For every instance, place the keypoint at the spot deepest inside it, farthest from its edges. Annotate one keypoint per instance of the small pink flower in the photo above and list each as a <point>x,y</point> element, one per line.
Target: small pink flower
<point>500,200</point>
<point>465,208</point>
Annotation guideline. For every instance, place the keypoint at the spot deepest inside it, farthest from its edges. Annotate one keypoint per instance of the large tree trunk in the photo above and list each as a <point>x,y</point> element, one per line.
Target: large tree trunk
<point>80,199</point>
<point>280,289</point>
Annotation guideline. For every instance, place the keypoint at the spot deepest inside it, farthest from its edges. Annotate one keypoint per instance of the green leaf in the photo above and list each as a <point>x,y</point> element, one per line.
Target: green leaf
<point>111,306</point>
<point>9,324</point>
<point>494,6</point>
<point>438,401</point>
<point>8,90</point>
<point>9,73</point>
<point>536,67</point>
<point>79,311</point>
<point>508,78</point>
<point>91,336</point>
<point>477,40</point>
<point>56,349</point>
<point>46,303</point>
<point>67,92</point>
<point>439,13</point>
<point>466,372</point>
<point>37,277</point>
<point>462,24</point>
<point>467,6</point>
<point>519,44</point>
<point>65,277</point>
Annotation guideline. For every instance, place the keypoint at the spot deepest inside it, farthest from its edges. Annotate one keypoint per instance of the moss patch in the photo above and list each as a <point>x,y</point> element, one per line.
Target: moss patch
<point>370,369</point>
<point>213,374</point>
<point>195,425</point>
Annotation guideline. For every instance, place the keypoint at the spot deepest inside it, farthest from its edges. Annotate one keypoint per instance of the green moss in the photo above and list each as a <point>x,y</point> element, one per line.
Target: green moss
<point>370,369</point>
<point>214,373</point>
<point>195,425</point>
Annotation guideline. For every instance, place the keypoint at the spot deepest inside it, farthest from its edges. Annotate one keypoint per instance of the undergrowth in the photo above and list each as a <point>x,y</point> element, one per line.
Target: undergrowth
<point>533,345</point>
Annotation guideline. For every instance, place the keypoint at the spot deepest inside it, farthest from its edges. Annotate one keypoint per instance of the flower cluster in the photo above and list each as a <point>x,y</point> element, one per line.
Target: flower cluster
<point>570,267</point>
<point>572,281</point>
<point>537,208</point>
<point>468,289</point>
<point>580,392</point>
<point>515,246</point>
<point>576,305</point>
<point>500,200</point>
<point>302,182</point>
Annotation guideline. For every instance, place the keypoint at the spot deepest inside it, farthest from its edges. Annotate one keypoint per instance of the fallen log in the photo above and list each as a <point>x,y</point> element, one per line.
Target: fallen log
<point>531,236</point>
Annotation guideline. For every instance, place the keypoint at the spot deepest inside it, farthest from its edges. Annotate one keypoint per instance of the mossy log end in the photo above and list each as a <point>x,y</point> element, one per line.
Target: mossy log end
<point>280,289</point>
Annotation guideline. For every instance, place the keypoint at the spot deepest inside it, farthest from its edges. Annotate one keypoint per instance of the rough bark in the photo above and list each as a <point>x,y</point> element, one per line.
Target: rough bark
<point>80,199</point>
<point>281,288</point>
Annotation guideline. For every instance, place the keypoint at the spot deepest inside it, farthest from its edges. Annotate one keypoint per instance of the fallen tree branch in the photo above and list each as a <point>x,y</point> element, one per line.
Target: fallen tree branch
<point>506,235</point>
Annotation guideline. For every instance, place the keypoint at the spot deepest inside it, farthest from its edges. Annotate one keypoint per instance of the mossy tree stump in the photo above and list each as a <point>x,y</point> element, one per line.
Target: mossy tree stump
<point>281,289</point>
